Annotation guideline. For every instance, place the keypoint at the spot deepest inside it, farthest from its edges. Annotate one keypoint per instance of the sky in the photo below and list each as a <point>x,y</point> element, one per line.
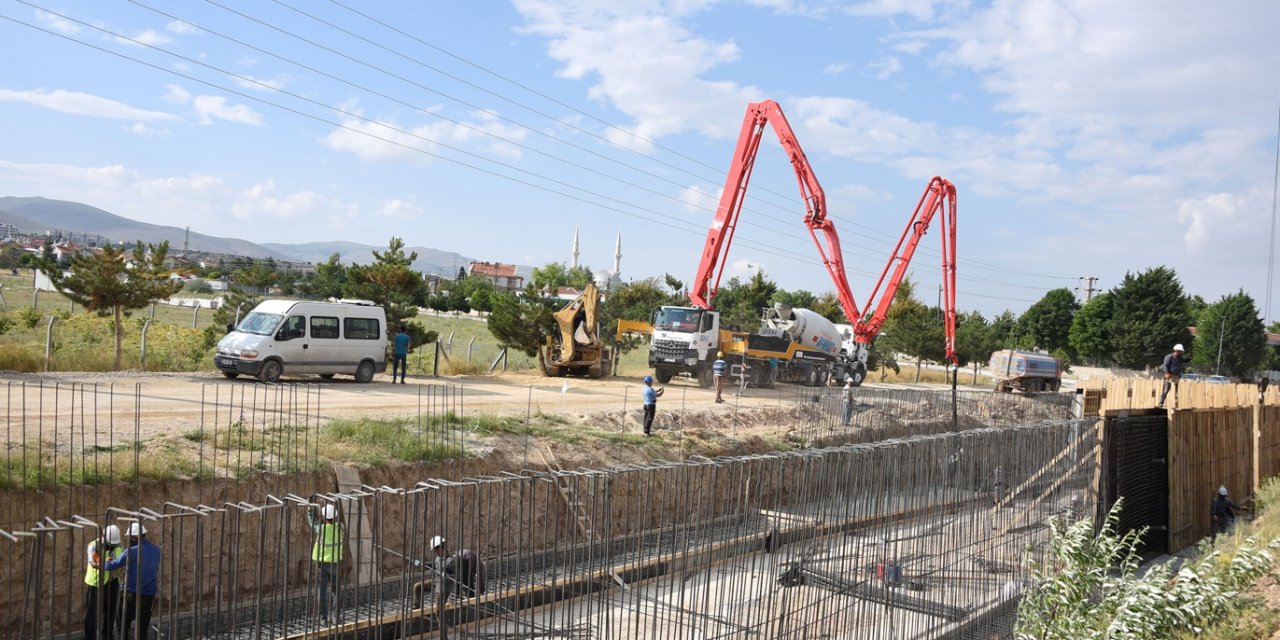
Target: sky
<point>1084,137</point>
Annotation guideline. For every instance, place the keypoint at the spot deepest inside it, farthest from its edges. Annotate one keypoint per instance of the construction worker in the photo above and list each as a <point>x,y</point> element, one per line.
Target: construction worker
<point>102,589</point>
<point>1172,368</point>
<point>846,399</point>
<point>400,354</point>
<point>1222,513</point>
<point>650,398</point>
<point>326,552</point>
<point>717,371</point>
<point>461,574</point>
<point>141,580</point>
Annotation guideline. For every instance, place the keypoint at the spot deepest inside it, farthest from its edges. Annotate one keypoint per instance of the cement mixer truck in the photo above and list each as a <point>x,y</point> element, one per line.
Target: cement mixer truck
<point>795,344</point>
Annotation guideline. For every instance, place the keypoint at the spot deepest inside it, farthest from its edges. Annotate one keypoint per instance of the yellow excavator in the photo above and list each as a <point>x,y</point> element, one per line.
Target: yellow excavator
<point>575,348</point>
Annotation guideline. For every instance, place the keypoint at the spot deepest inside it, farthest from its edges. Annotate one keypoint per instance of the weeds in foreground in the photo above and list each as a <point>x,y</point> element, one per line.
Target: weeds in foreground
<point>1089,586</point>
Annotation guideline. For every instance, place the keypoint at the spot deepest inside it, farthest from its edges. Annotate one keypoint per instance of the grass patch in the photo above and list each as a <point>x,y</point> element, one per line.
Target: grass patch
<point>381,442</point>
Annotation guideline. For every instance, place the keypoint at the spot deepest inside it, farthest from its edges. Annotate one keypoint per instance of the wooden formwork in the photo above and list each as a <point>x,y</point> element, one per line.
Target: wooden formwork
<point>1144,393</point>
<point>1268,425</point>
<point>1208,448</point>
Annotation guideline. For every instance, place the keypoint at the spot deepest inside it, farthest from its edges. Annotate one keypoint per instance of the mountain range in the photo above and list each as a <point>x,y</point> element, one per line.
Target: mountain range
<point>41,215</point>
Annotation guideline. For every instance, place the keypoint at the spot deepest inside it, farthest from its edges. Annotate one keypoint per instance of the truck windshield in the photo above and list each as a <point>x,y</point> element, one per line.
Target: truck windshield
<point>682,319</point>
<point>263,324</point>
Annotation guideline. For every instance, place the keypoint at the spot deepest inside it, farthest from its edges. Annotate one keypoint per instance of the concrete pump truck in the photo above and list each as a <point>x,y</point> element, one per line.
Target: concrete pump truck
<point>800,343</point>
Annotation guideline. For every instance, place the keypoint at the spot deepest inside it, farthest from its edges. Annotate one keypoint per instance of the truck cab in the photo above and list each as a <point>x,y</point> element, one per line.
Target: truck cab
<point>685,340</point>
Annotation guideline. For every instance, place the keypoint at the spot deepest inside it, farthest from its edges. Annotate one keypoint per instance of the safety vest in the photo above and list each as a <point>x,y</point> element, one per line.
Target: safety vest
<point>328,546</point>
<point>93,576</point>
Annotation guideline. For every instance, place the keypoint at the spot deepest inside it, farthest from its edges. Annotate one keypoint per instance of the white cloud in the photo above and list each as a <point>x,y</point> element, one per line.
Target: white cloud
<point>645,63</point>
<point>141,129</point>
<point>258,84</point>
<point>397,208</point>
<point>57,23</point>
<point>698,200</point>
<point>210,108</point>
<point>925,10</point>
<point>744,267</point>
<point>82,104</point>
<point>835,69</point>
<point>260,201</point>
<point>885,67</point>
<point>180,27</point>
<point>388,139</point>
<point>147,37</point>
<point>176,94</point>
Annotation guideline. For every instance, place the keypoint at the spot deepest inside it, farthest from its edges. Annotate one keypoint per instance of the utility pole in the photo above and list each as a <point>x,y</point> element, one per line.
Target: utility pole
<point>1221,327</point>
<point>1089,288</point>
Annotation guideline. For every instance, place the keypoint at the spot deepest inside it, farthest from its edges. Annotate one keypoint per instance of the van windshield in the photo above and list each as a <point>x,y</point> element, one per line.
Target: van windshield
<point>263,324</point>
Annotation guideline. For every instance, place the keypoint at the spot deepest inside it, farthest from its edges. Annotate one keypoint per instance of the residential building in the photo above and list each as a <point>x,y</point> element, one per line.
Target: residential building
<point>503,276</point>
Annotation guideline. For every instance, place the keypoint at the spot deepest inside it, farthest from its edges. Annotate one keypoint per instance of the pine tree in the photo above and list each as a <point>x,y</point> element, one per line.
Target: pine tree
<point>389,282</point>
<point>114,283</point>
<point>1149,315</point>
<point>1233,324</point>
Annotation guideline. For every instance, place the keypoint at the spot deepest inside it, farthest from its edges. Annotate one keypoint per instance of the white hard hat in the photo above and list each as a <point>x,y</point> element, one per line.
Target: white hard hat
<point>437,542</point>
<point>112,534</point>
<point>1178,347</point>
<point>1222,490</point>
<point>136,529</point>
<point>329,512</point>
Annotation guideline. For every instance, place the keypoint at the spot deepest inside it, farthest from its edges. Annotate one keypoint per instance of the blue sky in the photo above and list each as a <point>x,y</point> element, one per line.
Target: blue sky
<point>1084,137</point>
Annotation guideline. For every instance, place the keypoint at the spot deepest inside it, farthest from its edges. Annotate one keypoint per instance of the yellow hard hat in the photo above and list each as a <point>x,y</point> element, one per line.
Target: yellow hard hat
<point>719,354</point>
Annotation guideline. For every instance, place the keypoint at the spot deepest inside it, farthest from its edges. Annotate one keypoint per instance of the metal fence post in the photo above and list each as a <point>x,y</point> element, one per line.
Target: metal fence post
<point>142,358</point>
<point>470,345</point>
<point>195,315</point>
<point>48,342</point>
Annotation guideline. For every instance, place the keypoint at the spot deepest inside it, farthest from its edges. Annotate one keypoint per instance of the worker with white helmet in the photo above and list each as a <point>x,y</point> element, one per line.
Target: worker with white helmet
<point>1222,512</point>
<point>141,582</point>
<point>327,552</point>
<point>102,589</point>
<point>718,370</point>
<point>1172,368</point>
<point>461,573</point>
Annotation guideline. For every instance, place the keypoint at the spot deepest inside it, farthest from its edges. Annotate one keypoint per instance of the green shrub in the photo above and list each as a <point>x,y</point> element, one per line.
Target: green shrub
<point>30,317</point>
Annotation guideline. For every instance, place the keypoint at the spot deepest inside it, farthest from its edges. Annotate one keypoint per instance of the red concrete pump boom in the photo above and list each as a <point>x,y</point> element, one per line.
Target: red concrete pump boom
<point>940,195</point>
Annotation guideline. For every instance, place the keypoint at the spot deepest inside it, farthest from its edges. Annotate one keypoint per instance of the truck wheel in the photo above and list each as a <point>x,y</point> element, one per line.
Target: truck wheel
<point>663,375</point>
<point>704,377</point>
<point>364,372</point>
<point>271,371</point>
<point>230,375</point>
<point>811,377</point>
<point>859,375</point>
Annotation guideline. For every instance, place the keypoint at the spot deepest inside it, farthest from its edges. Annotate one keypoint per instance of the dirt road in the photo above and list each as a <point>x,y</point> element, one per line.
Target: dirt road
<point>128,404</point>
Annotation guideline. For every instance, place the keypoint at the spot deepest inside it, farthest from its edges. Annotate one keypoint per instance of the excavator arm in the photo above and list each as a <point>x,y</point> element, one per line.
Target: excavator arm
<point>577,323</point>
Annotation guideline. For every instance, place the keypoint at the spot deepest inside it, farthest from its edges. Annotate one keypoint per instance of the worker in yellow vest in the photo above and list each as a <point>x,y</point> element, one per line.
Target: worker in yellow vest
<point>102,589</point>
<point>326,552</point>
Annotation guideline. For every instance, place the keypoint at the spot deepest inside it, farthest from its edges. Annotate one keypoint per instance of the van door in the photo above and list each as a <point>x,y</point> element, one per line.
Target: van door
<point>291,344</point>
<point>325,355</point>
<point>364,338</point>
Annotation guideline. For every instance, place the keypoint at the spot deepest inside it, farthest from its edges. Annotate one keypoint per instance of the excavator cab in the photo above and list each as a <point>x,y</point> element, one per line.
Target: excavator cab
<point>575,347</point>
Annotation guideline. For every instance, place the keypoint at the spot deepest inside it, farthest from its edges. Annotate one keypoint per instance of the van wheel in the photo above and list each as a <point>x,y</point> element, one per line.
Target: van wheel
<point>271,371</point>
<point>364,372</point>
<point>327,376</point>
<point>230,375</point>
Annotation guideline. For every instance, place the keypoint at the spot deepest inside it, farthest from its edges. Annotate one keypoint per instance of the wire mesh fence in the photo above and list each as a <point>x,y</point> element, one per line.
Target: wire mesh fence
<point>905,538</point>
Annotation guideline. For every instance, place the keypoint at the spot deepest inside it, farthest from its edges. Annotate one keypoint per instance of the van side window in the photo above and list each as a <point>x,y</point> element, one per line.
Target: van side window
<point>324,327</point>
<point>360,328</point>
<point>294,327</point>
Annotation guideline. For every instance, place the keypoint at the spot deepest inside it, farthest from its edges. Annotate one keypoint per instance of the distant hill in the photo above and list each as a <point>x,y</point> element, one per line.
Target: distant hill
<point>445,263</point>
<point>38,215</point>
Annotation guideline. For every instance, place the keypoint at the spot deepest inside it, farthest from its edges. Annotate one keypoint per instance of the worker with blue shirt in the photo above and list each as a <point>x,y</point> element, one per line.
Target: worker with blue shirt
<point>142,580</point>
<point>651,396</point>
<point>718,369</point>
<point>400,354</point>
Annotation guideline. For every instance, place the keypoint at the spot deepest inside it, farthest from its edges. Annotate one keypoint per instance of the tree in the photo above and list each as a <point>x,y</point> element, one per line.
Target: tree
<point>828,306</point>
<point>798,298</point>
<point>1271,355</point>
<point>631,301</point>
<point>462,273</point>
<point>522,323</point>
<point>114,283</point>
<point>913,329</point>
<point>388,282</point>
<point>328,280</point>
<point>1149,315</point>
<point>740,304</point>
<point>1233,323</point>
<point>676,286</point>
<point>1002,329</point>
<point>975,341</point>
<point>1090,334</point>
<point>256,276</point>
<point>1048,321</point>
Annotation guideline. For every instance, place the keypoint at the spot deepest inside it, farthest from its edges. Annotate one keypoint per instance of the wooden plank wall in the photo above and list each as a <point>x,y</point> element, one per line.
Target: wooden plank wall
<point>1269,442</point>
<point>1208,448</point>
<point>1144,393</point>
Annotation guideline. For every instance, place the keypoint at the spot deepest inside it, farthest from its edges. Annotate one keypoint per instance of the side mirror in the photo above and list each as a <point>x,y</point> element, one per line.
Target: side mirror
<point>230,327</point>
